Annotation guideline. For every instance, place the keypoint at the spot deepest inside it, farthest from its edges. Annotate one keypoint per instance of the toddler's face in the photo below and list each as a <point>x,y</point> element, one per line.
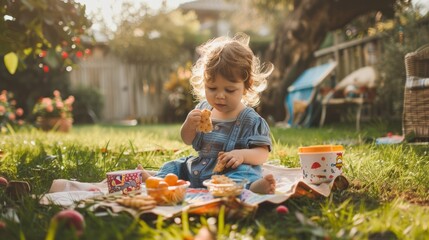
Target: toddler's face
<point>225,96</point>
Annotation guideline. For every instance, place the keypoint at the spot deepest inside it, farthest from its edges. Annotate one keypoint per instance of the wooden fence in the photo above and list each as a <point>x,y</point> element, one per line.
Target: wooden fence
<point>351,55</point>
<point>129,91</point>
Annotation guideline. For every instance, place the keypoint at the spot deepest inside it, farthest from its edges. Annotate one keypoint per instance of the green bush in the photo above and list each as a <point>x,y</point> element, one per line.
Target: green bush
<point>409,35</point>
<point>88,104</point>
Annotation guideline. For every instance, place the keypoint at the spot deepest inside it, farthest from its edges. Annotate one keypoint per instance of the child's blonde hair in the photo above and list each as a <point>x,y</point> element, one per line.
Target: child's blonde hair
<point>234,60</point>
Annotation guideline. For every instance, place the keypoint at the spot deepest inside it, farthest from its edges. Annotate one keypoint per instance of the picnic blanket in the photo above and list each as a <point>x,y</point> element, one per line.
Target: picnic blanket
<point>289,183</point>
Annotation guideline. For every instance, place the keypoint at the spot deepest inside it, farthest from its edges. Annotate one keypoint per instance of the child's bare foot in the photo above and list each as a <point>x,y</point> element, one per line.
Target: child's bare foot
<point>145,174</point>
<point>265,185</point>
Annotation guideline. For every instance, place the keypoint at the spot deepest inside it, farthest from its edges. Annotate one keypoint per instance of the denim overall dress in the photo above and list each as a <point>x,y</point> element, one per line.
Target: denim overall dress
<point>248,130</point>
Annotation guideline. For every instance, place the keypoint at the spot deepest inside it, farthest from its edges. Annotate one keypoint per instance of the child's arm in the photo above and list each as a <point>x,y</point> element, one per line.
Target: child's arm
<point>253,156</point>
<point>188,130</point>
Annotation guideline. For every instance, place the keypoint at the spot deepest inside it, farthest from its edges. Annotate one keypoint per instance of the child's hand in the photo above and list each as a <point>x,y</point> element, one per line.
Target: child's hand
<point>231,159</point>
<point>193,119</point>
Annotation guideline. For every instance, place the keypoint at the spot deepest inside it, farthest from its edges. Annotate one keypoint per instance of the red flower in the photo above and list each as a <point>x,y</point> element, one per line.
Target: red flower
<point>64,55</point>
<point>42,54</point>
<point>79,54</point>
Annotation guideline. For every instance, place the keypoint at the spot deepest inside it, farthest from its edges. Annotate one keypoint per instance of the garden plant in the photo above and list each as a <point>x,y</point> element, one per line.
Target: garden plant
<point>387,197</point>
<point>11,116</point>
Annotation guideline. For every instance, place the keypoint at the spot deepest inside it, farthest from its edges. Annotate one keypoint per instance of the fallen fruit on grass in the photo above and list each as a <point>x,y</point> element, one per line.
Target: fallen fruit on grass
<point>71,219</point>
<point>282,209</point>
<point>3,182</point>
<point>2,225</point>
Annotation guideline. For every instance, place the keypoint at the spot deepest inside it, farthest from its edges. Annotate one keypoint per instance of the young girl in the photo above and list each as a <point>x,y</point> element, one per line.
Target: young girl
<point>227,79</point>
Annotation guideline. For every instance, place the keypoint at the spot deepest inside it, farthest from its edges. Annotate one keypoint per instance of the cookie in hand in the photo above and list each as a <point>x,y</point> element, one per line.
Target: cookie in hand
<point>219,167</point>
<point>206,123</point>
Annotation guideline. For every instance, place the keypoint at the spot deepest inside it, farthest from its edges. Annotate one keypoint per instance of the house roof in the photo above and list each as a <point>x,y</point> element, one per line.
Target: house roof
<point>209,5</point>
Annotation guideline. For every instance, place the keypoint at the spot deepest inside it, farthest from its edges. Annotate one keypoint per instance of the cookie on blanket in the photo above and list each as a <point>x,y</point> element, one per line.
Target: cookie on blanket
<point>219,167</point>
<point>206,123</point>
<point>139,202</point>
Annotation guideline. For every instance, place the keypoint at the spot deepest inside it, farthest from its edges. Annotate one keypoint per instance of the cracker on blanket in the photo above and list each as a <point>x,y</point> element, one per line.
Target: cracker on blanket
<point>139,202</point>
<point>206,125</point>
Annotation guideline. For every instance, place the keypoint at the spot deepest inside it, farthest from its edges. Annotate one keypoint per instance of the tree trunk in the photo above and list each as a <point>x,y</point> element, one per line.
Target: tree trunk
<point>300,35</point>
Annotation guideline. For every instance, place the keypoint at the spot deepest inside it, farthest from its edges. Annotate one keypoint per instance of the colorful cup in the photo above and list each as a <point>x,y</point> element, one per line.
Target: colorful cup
<point>321,163</point>
<point>124,181</point>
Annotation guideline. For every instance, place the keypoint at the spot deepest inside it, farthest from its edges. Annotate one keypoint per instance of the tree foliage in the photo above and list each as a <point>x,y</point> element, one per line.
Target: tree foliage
<point>46,37</point>
<point>30,27</point>
<point>410,33</point>
<point>160,38</point>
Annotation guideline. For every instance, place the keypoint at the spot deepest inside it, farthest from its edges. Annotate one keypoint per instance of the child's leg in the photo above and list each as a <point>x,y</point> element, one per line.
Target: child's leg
<point>258,184</point>
<point>145,174</point>
<point>265,185</point>
<point>177,167</point>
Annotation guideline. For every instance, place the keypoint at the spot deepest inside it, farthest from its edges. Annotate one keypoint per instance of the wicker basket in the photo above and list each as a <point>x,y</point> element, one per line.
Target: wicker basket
<point>415,121</point>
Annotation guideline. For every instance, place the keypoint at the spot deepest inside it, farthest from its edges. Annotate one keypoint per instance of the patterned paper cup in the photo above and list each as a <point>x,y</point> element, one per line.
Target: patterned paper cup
<point>321,163</point>
<point>124,181</point>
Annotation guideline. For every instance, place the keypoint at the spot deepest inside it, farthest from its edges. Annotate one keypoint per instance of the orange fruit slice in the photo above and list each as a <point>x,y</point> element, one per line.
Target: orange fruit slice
<point>153,182</point>
<point>171,179</point>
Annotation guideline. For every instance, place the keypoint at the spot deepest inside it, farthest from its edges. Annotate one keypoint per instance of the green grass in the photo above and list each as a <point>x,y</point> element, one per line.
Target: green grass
<point>387,198</point>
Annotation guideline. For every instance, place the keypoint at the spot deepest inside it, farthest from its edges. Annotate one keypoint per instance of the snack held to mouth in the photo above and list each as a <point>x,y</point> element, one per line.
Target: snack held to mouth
<point>206,123</point>
<point>321,163</point>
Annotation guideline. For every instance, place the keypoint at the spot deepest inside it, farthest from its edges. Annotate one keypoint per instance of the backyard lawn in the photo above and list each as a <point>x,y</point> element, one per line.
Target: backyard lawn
<point>387,197</point>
